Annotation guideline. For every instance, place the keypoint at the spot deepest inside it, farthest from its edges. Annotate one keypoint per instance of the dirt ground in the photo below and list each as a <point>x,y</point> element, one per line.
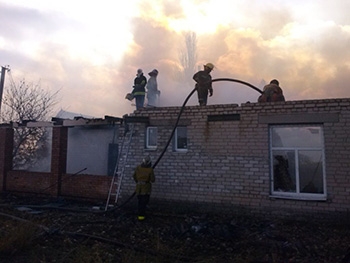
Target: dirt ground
<point>42,230</point>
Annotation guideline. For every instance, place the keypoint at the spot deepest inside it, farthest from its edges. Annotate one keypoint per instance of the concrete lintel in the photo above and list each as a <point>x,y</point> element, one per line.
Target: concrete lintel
<point>299,118</point>
<point>224,117</point>
<point>84,122</point>
<point>136,119</point>
<point>33,124</point>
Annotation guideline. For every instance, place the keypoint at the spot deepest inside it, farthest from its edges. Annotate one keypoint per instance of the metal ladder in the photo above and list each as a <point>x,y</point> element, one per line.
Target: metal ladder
<point>120,166</point>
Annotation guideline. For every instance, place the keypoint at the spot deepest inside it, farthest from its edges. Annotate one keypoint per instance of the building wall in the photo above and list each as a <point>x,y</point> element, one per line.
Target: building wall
<point>54,183</point>
<point>227,162</point>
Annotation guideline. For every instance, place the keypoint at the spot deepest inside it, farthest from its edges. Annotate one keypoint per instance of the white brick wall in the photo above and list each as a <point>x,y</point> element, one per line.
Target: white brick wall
<point>227,162</point>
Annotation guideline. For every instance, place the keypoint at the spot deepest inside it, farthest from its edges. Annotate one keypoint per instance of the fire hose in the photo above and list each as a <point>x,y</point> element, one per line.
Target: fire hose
<point>178,119</point>
<point>172,134</point>
<point>183,107</point>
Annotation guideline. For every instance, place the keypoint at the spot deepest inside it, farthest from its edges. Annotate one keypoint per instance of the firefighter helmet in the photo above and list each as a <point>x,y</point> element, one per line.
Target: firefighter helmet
<point>153,72</point>
<point>146,160</point>
<point>209,65</point>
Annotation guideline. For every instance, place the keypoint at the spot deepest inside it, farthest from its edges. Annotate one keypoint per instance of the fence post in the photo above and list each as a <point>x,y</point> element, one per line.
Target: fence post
<point>59,158</point>
<point>6,148</point>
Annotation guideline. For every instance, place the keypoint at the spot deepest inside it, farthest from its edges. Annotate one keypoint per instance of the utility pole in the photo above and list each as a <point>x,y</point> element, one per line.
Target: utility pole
<point>2,81</point>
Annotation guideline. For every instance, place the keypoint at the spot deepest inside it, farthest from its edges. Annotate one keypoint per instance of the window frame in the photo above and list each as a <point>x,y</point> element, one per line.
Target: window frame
<point>176,146</point>
<point>148,134</point>
<point>298,194</point>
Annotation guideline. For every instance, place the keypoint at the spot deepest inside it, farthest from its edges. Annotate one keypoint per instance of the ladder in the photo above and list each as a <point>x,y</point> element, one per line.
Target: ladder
<point>114,189</point>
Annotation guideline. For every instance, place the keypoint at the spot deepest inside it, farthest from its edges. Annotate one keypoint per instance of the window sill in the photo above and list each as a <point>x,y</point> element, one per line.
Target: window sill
<point>320,198</point>
<point>151,149</point>
<point>181,150</point>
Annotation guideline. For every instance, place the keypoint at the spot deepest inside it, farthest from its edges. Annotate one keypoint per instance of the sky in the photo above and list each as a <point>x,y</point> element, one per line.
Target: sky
<point>89,51</point>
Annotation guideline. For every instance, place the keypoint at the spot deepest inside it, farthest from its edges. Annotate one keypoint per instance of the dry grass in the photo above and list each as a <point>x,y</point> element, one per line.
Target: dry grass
<point>18,238</point>
<point>167,238</point>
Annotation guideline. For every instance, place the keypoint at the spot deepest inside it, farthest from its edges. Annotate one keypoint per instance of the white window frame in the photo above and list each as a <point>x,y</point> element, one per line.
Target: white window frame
<point>176,142</point>
<point>151,131</point>
<point>297,194</point>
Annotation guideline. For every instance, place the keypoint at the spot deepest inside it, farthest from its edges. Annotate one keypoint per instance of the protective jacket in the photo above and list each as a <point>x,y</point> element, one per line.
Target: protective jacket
<point>152,91</point>
<point>144,177</point>
<point>139,85</point>
<point>271,93</point>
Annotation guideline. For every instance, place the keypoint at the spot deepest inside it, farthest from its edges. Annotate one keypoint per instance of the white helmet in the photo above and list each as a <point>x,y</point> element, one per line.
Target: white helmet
<point>153,72</point>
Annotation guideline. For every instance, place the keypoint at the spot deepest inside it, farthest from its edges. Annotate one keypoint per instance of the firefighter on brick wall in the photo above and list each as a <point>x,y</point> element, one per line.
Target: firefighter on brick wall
<point>139,90</point>
<point>144,177</point>
<point>152,89</point>
<point>272,92</point>
<point>204,84</point>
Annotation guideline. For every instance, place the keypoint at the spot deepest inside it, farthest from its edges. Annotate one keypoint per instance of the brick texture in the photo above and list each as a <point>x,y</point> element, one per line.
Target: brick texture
<point>227,162</point>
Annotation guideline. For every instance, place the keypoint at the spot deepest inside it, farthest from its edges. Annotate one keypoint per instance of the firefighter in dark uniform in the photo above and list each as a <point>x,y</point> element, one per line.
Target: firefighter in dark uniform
<point>144,177</point>
<point>272,92</point>
<point>139,90</point>
<point>203,84</point>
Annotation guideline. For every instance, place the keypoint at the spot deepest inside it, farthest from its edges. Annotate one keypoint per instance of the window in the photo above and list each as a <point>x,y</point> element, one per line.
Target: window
<point>180,142</point>
<point>297,162</point>
<point>151,137</point>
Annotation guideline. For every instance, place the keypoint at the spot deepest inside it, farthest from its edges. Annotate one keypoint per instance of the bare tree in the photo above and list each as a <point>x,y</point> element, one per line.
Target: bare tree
<point>28,102</point>
<point>188,57</point>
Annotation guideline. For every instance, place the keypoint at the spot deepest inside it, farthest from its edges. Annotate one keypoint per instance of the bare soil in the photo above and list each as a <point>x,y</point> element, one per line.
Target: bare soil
<point>42,230</point>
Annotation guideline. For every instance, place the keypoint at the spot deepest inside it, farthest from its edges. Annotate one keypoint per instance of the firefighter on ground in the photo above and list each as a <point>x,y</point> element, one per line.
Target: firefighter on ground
<point>204,84</point>
<point>272,92</point>
<point>144,177</point>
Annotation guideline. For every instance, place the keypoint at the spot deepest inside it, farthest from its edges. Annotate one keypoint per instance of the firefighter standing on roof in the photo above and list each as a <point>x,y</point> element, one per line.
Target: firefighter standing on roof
<point>203,84</point>
<point>139,89</point>
<point>144,177</point>
<point>272,92</point>
<point>152,89</point>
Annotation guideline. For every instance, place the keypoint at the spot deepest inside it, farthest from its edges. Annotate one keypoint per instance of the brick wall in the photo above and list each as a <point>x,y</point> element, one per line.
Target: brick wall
<point>6,147</point>
<point>227,162</point>
<point>55,183</point>
<point>84,186</point>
